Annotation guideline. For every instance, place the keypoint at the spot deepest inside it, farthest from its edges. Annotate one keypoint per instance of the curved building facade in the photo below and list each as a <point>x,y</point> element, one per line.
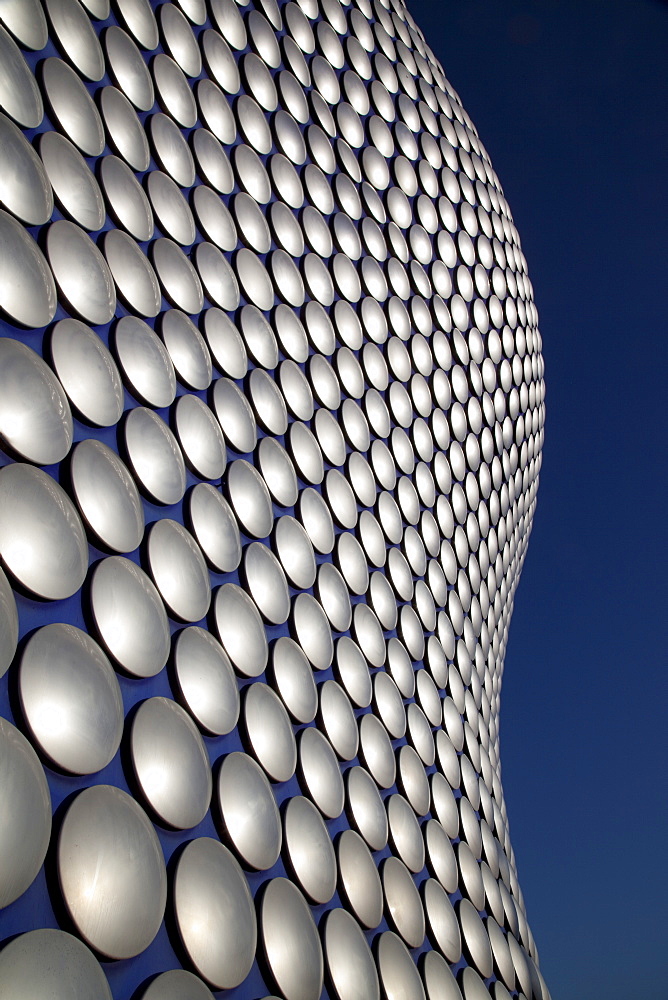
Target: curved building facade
<point>271,413</point>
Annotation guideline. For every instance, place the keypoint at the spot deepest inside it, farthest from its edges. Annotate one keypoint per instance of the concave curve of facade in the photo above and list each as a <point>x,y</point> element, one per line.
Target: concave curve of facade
<point>271,415</point>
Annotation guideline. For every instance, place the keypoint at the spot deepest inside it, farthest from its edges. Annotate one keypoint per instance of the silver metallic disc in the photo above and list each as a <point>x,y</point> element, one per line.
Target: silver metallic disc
<point>225,343</point>
<point>309,849</point>
<point>398,974</point>
<point>26,21</point>
<point>133,274</point>
<point>111,871</point>
<point>295,552</point>
<point>266,582</point>
<point>352,671</point>
<point>293,679</point>
<point>126,198</point>
<point>72,181</point>
<point>126,132</point>
<point>405,833</point>
<point>81,272</point>
<point>87,372</point>
<point>27,288</point>
<point>19,94</point>
<point>376,751</point>
<point>170,763</point>
<point>206,681</point>
<point>349,959</point>
<point>187,349</point>
<point>178,569</point>
<point>9,626</point>
<point>35,417</point>
<point>145,362</point>
<point>290,941</point>
<point>130,616</point>
<point>442,921</point>
<point>241,630</point>
<point>51,963</point>
<point>320,772</point>
<point>251,821</point>
<point>128,68</point>
<point>25,190</point>
<point>215,527</point>
<point>475,937</point>
<point>439,981</point>
<point>42,542</point>
<point>139,19</point>
<point>200,437</point>
<point>71,699</point>
<point>269,732</point>
<point>249,497</point>
<point>155,455</point>
<point>403,903</point>
<point>366,807</point>
<point>235,415</point>
<point>73,107</point>
<point>312,630</point>
<point>359,879</point>
<point>278,472</point>
<point>25,814</point>
<point>338,720</point>
<point>178,277</point>
<point>177,984</point>
<point>214,913</point>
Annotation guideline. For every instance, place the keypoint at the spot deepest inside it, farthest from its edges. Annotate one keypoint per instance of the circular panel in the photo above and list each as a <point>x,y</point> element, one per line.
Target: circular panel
<point>19,93</point>
<point>145,362</point>
<point>25,826</point>
<point>369,634</point>
<point>212,161</point>
<point>349,960</point>
<point>81,272</point>
<point>398,974</point>
<point>187,349</point>
<point>443,926</point>
<point>270,732</point>
<point>295,552</point>
<point>278,472</point>
<point>180,40</point>
<point>241,630</point>
<point>200,436</point>
<point>135,278</point>
<point>441,856</point>
<point>438,978</point>
<point>179,279</point>
<point>72,106</point>
<point>35,417</point>
<point>333,596</point>
<point>250,498</point>
<point>155,455</point>
<point>225,343</point>
<point>126,132</point>
<point>42,541</point>
<point>476,939</point>
<point>359,879</point>
<point>215,527</point>
<point>177,984</point>
<point>290,941</point>
<point>214,218</point>
<point>171,152</point>
<point>366,807</point>
<point>206,681</point>
<point>130,616</point>
<point>402,901</point>
<point>51,963</point>
<point>25,190</point>
<point>111,871</point>
<point>178,568</point>
<point>266,582</point>
<point>27,288</point>
<point>71,699</point>
<point>309,849</point>
<point>170,763</point>
<point>87,371</point>
<point>174,90</point>
<point>320,772</point>
<point>72,180</point>
<point>293,678</point>
<point>376,751</point>
<point>405,832</point>
<point>235,415</point>
<point>215,913</point>
<point>128,68</point>
<point>248,810</point>
<point>338,720</point>
<point>27,23</point>
<point>312,631</point>
<point>9,624</point>
<point>140,21</point>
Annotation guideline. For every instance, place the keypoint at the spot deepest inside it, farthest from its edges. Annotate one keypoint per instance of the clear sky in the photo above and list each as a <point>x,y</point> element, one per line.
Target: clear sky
<point>570,98</point>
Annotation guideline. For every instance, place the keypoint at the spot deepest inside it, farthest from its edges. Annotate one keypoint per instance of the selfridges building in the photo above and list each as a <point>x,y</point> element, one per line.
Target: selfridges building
<point>271,413</point>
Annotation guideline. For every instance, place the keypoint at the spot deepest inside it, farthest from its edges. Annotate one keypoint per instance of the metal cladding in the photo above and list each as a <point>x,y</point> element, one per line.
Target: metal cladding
<point>271,415</point>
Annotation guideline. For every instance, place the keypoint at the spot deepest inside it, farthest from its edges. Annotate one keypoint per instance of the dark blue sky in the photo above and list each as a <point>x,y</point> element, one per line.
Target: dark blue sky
<point>570,98</point>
